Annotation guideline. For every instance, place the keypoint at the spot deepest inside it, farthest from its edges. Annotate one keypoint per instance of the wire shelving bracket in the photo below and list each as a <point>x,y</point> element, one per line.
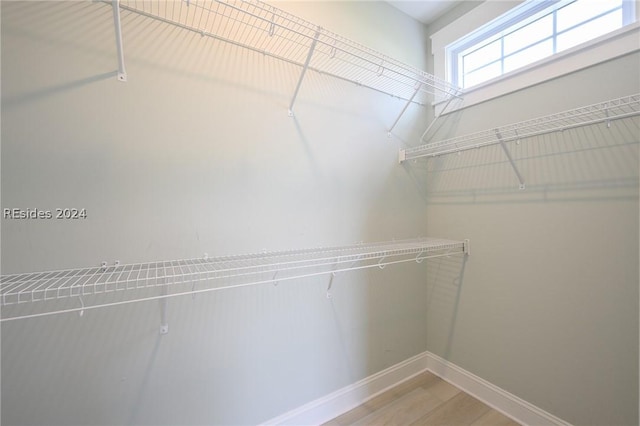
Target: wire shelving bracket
<point>304,67</point>
<point>265,29</point>
<point>122,73</point>
<point>38,294</point>
<point>603,112</point>
<point>510,158</point>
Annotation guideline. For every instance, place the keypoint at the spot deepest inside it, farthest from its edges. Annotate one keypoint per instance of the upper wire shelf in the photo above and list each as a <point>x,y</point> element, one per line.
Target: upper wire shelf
<point>607,111</point>
<point>75,290</point>
<point>262,28</point>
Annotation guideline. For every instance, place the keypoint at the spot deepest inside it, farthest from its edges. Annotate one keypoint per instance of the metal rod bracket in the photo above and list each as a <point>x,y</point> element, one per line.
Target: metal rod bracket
<point>418,87</point>
<point>122,73</point>
<point>329,295</point>
<point>164,324</point>
<point>513,164</point>
<point>304,70</point>
<point>402,156</point>
<point>438,115</point>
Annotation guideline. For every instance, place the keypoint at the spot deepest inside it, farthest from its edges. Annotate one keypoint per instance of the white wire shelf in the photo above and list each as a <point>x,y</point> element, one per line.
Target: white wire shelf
<point>268,30</point>
<point>602,112</point>
<point>76,290</point>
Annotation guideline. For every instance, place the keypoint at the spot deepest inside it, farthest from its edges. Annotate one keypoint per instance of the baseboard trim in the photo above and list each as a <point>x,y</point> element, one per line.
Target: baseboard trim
<point>508,404</point>
<point>331,406</point>
<point>336,403</point>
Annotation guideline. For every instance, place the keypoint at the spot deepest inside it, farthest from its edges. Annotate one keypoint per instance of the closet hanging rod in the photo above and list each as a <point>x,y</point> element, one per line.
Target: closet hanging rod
<point>614,109</point>
<point>24,295</point>
<point>271,31</point>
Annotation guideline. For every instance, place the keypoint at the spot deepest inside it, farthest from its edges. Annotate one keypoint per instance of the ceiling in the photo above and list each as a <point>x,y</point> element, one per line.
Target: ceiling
<point>425,11</point>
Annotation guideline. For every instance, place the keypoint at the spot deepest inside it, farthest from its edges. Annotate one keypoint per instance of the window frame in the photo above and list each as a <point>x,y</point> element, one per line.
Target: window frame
<point>519,17</point>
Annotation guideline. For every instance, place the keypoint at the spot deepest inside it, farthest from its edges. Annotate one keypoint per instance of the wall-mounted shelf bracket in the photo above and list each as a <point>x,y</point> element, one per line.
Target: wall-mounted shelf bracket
<point>164,324</point>
<point>104,264</point>
<point>381,263</point>
<point>304,70</point>
<point>329,295</point>
<point>513,164</point>
<point>418,87</point>
<point>81,313</point>
<point>402,156</point>
<point>438,115</point>
<point>122,73</point>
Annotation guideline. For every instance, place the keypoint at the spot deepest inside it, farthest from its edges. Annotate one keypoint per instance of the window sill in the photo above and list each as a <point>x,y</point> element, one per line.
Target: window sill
<point>610,46</point>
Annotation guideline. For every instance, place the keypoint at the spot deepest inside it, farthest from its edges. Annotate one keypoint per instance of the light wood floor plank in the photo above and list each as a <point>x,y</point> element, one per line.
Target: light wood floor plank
<point>424,399</point>
<point>385,398</point>
<point>378,402</point>
<point>405,410</point>
<point>461,410</point>
<point>442,389</point>
<point>494,418</point>
<point>422,380</point>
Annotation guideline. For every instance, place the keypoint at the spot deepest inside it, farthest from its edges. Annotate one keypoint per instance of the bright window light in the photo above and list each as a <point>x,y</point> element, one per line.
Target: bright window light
<point>533,31</point>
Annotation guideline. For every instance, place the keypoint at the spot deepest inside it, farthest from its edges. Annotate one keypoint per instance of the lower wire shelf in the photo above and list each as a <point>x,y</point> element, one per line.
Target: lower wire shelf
<point>76,290</point>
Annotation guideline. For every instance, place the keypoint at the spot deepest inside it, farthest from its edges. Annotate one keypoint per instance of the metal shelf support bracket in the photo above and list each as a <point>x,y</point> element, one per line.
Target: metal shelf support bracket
<point>81,313</point>
<point>304,70</point>
<point>436,118</point>
<point>402,156</point>
<point>513,164</point>
<point>122,73</point>
<point>164,303</point>
<point>381,263</point>
<point>418,87</point>
<point>331,277</point>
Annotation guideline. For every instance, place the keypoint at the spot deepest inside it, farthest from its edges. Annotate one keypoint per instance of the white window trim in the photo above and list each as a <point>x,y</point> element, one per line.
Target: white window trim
<point>609,46</point>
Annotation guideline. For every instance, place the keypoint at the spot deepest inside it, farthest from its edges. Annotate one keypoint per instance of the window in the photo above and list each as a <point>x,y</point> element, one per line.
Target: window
<point>531,32</point>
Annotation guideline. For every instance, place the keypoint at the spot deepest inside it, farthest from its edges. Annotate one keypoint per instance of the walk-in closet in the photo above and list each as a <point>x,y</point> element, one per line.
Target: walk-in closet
<point>228,212</point>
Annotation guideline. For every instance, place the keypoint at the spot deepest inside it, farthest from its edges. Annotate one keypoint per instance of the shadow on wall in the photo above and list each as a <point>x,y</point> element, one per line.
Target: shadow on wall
<point>167,51</point>
<point>445,278</point>
<point>148,44</point>
<point>25,98</point>
<point>225,351</point>
<point>587,163</point>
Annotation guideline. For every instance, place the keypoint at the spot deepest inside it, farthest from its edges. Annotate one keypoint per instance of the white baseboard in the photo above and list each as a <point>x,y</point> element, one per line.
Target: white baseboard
<point>331,406</point>
<point>336,403</point>
<point>508,404</point>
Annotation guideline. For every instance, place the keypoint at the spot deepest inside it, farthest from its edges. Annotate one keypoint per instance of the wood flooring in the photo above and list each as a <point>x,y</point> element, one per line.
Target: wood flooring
<point>423,400</point>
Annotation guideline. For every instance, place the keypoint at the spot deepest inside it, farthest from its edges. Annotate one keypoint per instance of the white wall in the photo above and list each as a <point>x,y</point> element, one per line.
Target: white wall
<point>195,154</point>
<point>548,305</point>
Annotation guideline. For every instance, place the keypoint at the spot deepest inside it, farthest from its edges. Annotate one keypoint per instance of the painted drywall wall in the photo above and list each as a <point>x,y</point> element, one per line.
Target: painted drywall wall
<point>547,307</point>
<point>195,154</point>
